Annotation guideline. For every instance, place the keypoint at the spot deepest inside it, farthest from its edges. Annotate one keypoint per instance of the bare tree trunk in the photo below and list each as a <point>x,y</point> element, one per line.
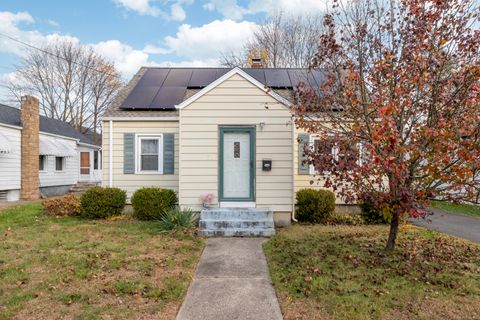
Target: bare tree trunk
<point>394,224</point>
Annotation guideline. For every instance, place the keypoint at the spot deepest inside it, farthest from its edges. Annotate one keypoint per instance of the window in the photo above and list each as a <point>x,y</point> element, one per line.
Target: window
<point>341,153</point>
<point>150,149</point>
<point>42,162</point>
<point>59,163</point>
<point>97,160</point>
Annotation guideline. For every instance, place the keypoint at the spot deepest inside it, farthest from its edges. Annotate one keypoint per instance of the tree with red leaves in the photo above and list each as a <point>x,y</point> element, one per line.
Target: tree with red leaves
<point>398,115</point>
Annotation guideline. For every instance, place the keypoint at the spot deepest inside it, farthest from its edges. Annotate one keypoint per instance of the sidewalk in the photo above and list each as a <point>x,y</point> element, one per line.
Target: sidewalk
<point>231,282</point>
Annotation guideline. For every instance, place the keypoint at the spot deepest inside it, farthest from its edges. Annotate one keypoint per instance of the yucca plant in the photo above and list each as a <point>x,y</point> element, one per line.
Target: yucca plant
<point>178,219</point>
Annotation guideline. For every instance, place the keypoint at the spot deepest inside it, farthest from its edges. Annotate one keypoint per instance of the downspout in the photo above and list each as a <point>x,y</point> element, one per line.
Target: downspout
<point>110,154</point>
<point>292,123</point>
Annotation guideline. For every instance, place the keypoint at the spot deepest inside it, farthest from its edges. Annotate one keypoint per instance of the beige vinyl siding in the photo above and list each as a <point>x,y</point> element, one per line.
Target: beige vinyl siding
<point>132,182</point>
<point>308,181</point>
<point>236,102</point>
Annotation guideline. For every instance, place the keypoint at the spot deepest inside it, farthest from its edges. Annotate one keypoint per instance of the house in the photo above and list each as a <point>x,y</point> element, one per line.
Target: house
<point>42,156</point>
<point>223,131</point>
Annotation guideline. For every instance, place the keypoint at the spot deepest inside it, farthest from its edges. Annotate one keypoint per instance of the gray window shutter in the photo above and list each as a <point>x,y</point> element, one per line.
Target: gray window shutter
<point>168,153</point>
<point>303,141</point>
<point>129,153</point>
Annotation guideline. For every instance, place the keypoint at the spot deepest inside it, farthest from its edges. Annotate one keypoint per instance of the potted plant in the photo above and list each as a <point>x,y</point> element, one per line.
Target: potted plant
<point>207,199</point>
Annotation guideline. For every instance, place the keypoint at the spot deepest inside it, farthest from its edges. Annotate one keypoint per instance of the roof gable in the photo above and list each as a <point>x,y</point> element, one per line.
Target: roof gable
<point>228,75</point>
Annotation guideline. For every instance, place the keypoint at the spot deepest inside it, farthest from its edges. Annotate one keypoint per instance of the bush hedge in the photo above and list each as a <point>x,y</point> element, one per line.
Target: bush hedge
<point>67,205</point>
<point>101,203</point>
<point>371,209</point>
<point>314,205</point>
<point>153,203</point>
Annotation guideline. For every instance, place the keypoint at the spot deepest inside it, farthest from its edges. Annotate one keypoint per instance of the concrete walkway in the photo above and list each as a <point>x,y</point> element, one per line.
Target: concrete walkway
<point>462,226</point>
<point>231,282</point>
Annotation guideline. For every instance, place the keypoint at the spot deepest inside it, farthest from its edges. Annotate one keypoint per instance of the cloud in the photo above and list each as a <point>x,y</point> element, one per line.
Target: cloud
<point>230,9</point>
<point>193,46</point>
<point>209,40</point>
<point>126,59</point>
<point>145,7</point>
<point>53,23</point>
<point>177,12</point>
<point>142,7</point>
<point>10,24</point>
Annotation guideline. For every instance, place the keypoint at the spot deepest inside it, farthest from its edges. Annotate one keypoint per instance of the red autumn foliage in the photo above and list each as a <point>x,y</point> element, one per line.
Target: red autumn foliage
<point>402,85</point>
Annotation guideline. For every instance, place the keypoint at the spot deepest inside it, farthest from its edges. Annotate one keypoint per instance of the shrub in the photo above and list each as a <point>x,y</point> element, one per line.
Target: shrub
<point>372,210</point>
<point>345,218</point>
<point>314,205</point>
<point>100,203</point>
<point>152,203</point>
<point>67,205</point>
<point>178,219</point>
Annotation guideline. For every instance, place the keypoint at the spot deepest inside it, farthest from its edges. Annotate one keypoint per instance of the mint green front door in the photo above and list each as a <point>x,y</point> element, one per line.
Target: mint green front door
<point>237,154</point>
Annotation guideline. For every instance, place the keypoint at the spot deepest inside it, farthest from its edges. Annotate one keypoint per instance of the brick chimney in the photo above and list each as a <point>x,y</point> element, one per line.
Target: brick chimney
<point>30,148</point>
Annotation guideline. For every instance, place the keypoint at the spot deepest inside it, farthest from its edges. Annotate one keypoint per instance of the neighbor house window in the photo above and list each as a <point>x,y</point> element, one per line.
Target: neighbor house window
<point>150,150</point>
<point>59,163</point>
<point>42,163</point>
<point>97,160</point>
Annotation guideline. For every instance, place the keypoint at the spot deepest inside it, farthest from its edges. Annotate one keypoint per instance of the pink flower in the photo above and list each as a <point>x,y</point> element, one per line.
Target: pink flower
<point>207,198</point>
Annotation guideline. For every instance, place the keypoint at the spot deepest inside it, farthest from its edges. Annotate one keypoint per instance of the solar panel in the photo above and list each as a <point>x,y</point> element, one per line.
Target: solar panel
<point>221,72</point>
<point>300,75</point>
<point>319,77</point>
<point>140,98</point>
<point>202,78</point>
<point>277,78</point>
<point>153,77</point>
<point>168,97</point>
<point>178,78</point>
<point>258,74</point>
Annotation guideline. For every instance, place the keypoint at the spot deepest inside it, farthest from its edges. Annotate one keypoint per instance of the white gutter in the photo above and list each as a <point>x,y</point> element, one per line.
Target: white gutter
<point>292,123</point>
<point>110,154</point>
<point>172,118</point>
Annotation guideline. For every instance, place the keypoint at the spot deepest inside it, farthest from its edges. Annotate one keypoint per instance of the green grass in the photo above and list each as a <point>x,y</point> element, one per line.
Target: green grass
<point>467,209</point>
<point>74,268</point>
<point>343,272</point>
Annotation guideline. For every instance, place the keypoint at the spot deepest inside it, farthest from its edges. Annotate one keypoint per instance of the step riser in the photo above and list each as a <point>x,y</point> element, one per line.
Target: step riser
<point>237,233</point>
<point>216,224</point>
<point>235,215</point>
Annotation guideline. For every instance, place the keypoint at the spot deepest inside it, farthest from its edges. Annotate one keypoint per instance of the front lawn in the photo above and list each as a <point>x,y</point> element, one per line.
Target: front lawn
<point>341,272</point>
<point>70,268</point>
<point>467,209</point>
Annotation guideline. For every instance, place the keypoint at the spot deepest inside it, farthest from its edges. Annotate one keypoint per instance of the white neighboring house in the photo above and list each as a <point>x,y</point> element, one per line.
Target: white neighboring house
<point>65,156</point>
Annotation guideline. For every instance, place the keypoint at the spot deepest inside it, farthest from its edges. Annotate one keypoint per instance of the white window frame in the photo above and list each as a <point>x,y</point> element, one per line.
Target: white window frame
<point>64,164</point>
<point>334,152</point>
<point>99,160</point>
<point>45,163</point>
<point>138,158</point>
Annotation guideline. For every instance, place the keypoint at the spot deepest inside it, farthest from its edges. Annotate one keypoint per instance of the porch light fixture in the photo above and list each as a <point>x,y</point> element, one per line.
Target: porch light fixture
<point>262,124</point>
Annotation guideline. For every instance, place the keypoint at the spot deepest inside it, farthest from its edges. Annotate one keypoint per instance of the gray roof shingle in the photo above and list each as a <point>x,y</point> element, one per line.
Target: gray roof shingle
<point>11,116</point>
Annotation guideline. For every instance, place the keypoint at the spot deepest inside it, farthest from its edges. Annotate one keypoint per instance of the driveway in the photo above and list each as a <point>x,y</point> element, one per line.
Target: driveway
<point>454,224</point>
<point>231,282</point>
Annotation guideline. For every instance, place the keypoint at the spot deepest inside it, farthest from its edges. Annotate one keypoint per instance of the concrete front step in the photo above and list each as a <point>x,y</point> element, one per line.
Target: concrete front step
<point>237,224</point>
<point>236,213</point>
<point>237,232</point>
